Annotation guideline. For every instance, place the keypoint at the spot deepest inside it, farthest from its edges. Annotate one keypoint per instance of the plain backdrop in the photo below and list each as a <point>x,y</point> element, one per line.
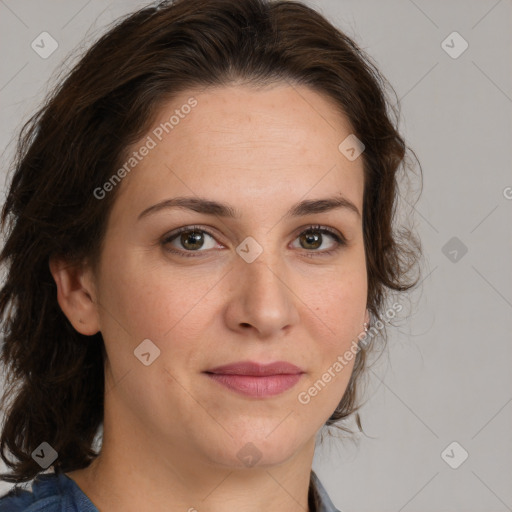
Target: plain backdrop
<point>443,388</point>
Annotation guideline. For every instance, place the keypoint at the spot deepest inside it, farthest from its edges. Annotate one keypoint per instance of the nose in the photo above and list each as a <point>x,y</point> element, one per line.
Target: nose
<point>262,300</point>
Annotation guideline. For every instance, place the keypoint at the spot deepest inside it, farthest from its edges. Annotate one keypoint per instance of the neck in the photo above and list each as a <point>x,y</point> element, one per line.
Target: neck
<point>134,472</point>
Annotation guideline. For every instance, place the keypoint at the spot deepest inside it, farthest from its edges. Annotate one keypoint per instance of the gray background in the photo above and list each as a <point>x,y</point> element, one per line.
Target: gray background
<point>447,373</point>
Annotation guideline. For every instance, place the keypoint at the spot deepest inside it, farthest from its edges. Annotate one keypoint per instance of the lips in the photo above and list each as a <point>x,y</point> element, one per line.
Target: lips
<point>257,369</point>
<point>255,379</point>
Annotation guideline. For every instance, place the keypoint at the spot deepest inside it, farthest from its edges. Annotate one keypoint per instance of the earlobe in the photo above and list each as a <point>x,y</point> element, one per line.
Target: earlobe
<point>75,295</point>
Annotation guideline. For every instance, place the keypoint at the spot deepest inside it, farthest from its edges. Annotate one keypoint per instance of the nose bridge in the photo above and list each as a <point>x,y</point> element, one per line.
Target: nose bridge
<point>262,255</point>
<point>264,273</point>
<point>264,296</point>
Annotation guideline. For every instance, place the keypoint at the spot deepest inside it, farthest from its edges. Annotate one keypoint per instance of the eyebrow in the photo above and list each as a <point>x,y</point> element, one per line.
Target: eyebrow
<point>201,205</point>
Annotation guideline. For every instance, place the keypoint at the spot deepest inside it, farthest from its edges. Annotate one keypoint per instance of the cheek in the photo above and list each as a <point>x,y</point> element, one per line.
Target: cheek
<point>142,299</point>
<point>335,326</point>
<point>338,301</point>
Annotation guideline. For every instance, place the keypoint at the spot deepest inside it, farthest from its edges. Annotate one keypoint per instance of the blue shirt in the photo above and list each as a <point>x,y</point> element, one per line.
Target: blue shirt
<point>58,493</point>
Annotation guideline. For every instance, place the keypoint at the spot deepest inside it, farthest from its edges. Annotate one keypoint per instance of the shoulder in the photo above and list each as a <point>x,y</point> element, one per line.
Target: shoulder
<point>24,501</point>
<point>50,493</point>
<point>43,497</point>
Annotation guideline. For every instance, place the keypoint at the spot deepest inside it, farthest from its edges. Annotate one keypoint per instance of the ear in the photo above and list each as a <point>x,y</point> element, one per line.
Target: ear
<point>367,317</point>
<point>76,295</point>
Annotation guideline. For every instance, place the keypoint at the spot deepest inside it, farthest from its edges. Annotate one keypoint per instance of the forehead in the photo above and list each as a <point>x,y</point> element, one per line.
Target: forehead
<point>246,146</point>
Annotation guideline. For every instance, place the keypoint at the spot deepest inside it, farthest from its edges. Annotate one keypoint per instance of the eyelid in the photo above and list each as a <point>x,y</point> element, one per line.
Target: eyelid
<point>192,227</point>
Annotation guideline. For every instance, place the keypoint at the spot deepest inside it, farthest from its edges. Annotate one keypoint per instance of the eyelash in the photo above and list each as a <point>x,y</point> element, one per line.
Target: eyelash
<point>340,240</point>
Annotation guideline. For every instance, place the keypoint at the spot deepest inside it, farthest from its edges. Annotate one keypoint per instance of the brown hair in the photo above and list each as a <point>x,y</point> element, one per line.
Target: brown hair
<point>74,142</point>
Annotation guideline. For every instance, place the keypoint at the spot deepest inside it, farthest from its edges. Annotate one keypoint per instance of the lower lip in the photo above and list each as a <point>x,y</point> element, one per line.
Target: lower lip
<point>260,387</point>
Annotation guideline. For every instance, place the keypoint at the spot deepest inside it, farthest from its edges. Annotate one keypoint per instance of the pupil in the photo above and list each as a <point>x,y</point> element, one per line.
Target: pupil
<point>311,239</point>
<point>195,238</point>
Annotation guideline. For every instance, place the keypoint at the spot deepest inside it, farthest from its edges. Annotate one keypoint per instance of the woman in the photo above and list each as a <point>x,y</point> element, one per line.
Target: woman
<point>198,239</point>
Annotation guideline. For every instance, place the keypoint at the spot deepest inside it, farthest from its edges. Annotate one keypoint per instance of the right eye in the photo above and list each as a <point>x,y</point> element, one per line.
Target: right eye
<point>191,239</point>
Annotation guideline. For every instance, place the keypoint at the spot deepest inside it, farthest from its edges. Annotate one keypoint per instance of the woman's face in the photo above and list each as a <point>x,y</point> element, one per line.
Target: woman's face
<point>252,286</point>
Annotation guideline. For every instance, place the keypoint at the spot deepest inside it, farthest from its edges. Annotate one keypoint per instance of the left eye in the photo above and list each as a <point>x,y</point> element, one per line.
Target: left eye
<point>312,238</point>
<point>191,239</point>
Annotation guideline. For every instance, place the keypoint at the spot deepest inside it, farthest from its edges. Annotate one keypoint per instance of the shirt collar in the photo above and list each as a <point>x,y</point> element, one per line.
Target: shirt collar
<point>319,500</point>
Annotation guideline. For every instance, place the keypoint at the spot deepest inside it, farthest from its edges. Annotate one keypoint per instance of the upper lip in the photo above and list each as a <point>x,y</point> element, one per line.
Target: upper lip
<point>256,369</point>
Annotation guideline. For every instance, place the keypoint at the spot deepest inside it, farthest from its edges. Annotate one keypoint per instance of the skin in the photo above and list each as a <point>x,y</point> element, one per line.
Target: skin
<point>171,434</point>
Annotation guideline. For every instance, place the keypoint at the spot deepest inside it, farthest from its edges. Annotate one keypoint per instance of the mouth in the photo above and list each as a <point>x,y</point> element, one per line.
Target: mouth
<point>257,380</point>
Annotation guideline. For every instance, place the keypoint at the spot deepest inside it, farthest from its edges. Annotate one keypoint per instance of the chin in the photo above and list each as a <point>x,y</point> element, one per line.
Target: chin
<point>255,450</point>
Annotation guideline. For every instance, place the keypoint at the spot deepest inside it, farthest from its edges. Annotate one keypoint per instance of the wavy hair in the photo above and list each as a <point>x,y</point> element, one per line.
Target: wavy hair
<point>54,375</point>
